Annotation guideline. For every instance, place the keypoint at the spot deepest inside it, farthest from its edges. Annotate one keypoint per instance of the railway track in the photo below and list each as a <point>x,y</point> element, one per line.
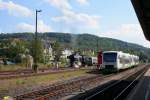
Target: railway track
<point>66,88</point>
<point>28,73</point>
<point>119,89</point>
<point>59,90</point>
<point>16,71</point>
<point>29,70</point>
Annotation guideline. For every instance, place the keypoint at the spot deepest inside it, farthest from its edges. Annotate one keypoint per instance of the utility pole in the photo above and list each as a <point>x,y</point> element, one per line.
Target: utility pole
<point>36,38</point>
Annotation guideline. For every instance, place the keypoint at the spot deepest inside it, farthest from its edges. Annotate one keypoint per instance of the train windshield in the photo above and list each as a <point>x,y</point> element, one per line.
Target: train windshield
<point>110,57</point>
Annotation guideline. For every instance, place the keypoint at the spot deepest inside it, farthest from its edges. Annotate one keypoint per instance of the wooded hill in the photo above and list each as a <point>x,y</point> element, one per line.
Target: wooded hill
<point>82,42</point>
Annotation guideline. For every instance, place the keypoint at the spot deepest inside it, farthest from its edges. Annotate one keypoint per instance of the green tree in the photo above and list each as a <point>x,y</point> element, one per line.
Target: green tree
<point>57,48</point>
<point>36,50</point>
<point>17,47</point>
<point>143,57</point>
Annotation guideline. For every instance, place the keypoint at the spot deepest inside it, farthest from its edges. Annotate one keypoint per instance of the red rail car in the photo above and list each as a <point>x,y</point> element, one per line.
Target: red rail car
<point>99,60</point>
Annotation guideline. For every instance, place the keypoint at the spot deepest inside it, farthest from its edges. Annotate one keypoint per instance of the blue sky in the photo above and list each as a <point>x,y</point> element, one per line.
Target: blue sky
<point>106,18</point>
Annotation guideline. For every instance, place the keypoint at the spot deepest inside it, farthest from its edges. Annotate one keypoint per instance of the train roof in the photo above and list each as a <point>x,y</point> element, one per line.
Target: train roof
<point>121,53</point>
<point>112,51</point>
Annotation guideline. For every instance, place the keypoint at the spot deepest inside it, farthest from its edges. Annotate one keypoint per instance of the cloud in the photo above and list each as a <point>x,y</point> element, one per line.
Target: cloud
<point>42,27</point>
<point>72,21</point>
<point>78,21</point>
<point>0,30</point>
<point>24,27</point>
<point>15,9</point>
<point>83,2</point>
<point>60,4</point>
<point>64,4</point>
<point>127,32</point>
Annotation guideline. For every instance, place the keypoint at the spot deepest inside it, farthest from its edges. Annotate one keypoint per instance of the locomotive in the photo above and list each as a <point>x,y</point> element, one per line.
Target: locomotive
<point>77,60</point>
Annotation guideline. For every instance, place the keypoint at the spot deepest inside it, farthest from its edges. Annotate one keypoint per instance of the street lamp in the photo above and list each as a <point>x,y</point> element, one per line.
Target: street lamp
<point>36,22</point>
<point>35,60</point>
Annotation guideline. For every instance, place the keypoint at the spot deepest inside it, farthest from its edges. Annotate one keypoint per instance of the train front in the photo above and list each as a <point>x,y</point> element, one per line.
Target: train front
<point>110,61</point>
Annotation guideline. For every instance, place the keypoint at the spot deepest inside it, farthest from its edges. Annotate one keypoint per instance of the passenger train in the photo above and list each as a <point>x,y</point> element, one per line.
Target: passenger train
<point>117,60</point>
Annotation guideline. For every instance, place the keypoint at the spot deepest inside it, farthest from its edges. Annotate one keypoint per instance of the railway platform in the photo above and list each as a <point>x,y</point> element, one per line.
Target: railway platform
<point>142,90</point>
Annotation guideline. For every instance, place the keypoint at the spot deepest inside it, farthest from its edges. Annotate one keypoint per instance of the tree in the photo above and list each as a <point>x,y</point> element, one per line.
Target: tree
<point>17,47</point>
<point>36,50</point>
<point>57,48</point>
<point>143,57</point>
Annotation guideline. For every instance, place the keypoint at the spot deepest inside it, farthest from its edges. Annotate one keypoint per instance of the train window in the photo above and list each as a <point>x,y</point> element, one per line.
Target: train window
<point>110,57</point>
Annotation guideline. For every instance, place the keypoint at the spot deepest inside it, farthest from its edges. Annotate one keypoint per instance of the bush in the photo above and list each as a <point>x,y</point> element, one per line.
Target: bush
<point>49,65</point>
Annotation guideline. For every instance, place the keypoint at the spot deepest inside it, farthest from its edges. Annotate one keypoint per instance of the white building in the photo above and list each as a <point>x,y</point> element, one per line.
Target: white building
<point>48,53</point>
<point>66,53</point>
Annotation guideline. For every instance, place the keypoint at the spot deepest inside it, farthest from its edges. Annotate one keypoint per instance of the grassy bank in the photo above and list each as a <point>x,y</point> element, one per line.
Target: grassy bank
<point>39,80</point>
<point>11,67</point>
<point>19,66</point>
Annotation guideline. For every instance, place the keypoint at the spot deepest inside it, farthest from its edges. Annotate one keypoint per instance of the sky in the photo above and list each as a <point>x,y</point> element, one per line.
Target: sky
<point>107,18</point>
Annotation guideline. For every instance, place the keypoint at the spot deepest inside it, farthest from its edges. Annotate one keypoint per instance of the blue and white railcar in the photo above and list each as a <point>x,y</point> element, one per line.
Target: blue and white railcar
<point>116,60</point>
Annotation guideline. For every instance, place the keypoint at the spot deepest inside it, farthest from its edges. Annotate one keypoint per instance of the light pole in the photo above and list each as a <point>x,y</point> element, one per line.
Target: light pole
<point>36,23</point>
<point>35,59</point>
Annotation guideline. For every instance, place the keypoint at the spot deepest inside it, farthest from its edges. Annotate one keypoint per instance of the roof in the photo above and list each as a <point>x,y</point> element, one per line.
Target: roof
<point>142,9</point>
<point>112,51</point>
